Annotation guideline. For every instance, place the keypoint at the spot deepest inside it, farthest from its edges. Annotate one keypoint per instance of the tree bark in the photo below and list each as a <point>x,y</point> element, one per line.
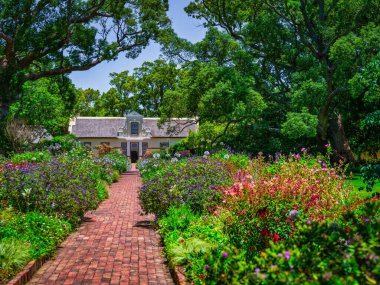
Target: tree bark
<point>339,140</point>
<point>330,126</point>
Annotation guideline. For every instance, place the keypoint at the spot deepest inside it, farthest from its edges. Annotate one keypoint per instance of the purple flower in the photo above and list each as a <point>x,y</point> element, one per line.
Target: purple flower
<point>303,149</point>
<point>307,222</point>
<point>207,267</point>
<point>257,270</point>
<point>225,254</point>
<point>348,242</point>
<point>279,255</point>
<point>293,214</point>
<point>327,276</point>
<point>327,145</point>
<point>263,276</point>
<point>287,255</point>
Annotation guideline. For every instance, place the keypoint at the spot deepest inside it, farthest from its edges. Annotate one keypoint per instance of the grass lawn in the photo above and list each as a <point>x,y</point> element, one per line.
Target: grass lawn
<point>357,182</point>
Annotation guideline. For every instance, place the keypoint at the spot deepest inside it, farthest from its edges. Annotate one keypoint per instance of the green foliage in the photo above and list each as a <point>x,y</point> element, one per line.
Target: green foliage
<point>120,163</point>
<point>193,182</point>
<point>60,144</point>
<point>319,253</point>
<point>45,96</point>
<point>370,174</point>
<point>67,185</point>
<point>31,156</point>
<point>43,233</point>
<point>14,255</point>
<point>58,43</point>
<point>300,125</point>
<point>102,191</point>
<point>188,236</point>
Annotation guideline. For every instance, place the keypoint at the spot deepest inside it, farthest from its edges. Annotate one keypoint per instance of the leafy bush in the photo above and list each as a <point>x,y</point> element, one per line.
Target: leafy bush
<point>60,144</point>
<point>188,236</point>
<point>264,209</point>
<point>119,161</point>
<point>30,156</point>
<point>14,255</point>
<point>344,252</point>
<point>193,182</point>
<point>63,186</point>
<point>102,190</point>
<point>42,232</point>
<point>370,174</point>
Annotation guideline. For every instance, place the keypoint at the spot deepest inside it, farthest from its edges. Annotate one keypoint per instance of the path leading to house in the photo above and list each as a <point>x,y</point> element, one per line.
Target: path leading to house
<point>115,245</point>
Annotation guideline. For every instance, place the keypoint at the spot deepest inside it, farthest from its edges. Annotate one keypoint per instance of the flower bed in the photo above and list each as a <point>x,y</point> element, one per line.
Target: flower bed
<point>42,200</point>
<point>292,220</point>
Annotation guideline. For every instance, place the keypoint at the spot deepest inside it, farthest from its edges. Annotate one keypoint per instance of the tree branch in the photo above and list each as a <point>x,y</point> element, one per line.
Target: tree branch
<point>9,47</point>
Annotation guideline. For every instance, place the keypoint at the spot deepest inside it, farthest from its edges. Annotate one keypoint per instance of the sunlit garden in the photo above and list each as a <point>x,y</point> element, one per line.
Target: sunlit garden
<point>199,142</point>
<point>44,196</point>
<point>226,218</point>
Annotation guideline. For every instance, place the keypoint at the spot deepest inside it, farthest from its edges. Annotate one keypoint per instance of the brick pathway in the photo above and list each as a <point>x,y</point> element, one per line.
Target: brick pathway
<point>115,245</point>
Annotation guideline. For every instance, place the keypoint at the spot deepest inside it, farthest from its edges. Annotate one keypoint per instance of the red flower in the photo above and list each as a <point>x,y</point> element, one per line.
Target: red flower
<point>182,240</point>
<point>265,232</point>
<point>275,237</point>
<point>202,276</point>
<point>263,212</point>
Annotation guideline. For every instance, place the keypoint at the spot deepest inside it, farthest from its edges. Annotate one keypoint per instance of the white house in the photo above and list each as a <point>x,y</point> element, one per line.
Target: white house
<point>132,134</point>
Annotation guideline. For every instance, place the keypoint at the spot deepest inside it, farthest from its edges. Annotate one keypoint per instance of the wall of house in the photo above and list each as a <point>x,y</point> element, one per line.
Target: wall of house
<point>153,143</point>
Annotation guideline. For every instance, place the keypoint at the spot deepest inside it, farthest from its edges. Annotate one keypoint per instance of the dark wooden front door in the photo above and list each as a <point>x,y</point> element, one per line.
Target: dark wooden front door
<point>134,152</point>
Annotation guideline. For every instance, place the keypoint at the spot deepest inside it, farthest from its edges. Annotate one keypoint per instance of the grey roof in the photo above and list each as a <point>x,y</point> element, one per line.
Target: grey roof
<point>134,114</point>
<point>102,127</point>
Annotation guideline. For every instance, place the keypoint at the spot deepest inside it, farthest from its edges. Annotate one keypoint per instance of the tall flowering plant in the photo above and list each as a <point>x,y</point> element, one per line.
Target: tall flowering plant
<point>263,207</point>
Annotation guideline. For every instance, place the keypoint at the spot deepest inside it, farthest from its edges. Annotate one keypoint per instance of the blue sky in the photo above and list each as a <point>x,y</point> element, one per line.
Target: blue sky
<point>98,77</point>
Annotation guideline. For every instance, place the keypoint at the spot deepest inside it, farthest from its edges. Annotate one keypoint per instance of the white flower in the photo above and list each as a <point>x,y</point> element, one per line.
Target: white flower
<point>174,160</point>
<point>33,158</point>
<point>156,155</point>
<point>226,156</point>
<point>177,155</point>
<point>221,143</point>
<point>26,192</point>
<point>206,152</point>
<point>167,155</point>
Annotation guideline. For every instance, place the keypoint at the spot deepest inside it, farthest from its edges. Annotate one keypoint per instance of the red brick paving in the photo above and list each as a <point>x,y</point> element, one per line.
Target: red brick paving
<point>113,246</point>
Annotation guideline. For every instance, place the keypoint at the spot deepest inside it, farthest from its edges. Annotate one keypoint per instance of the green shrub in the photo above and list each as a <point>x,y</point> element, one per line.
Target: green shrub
<point>60,144</point>
<point>119,161</point>
<point>44,233</point>
<point>263,207</point>
<point>31,156</point>
<point>14,255</point>
<point>342,252</point>
<point>64,186</point>
<point>188,236</point>
<point>102,191</point>
<point>193,182</point>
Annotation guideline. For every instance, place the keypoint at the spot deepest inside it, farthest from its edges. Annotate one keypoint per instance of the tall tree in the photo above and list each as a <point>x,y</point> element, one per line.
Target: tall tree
<point>153,79</point>
<point>323,42</point>
<point>44,38</point>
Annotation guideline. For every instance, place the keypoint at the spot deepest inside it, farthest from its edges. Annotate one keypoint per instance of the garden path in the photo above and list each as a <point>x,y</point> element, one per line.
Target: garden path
<point>115,245</point>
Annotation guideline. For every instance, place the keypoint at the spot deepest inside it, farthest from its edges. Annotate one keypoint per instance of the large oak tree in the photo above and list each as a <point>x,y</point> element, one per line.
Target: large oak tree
<point>42,38</point>
<point>304,45</point>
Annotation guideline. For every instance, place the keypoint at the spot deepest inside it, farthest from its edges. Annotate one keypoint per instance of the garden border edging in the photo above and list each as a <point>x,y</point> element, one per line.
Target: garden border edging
<point>179,277</point>
<point>27,273</point>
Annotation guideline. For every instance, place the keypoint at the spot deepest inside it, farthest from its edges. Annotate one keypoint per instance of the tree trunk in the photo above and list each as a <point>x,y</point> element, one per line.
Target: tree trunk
<point>330,125</point>
<point>339,140</point>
